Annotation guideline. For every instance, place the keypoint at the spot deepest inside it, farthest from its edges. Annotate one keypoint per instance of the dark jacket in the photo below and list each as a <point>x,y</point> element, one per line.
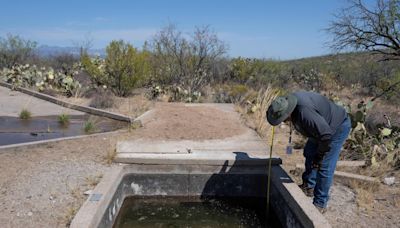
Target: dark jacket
<point>316,117</point>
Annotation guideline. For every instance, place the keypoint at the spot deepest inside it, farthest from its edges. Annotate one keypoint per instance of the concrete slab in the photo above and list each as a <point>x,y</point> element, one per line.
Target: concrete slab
<point>350,163</point>
<point>197,158</point>
<point>221,106</point>
<point>348,176</point>
<point>243,149</point>
<point>188,146</point>
<point>12,102</point>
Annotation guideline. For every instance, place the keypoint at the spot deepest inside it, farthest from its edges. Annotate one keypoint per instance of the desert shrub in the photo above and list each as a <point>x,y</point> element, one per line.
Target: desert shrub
<point>237,92</point>
<point>25,114</point>
<point>89,127</point>
<point>123,69</point>
<point>154,92</point>
<point>95,67</point>
<point>257,73</point>
<point>242,69</point>
<point>177,93</point>
<point>187,63</point>
<point>221,94</point>
<point>64,62</point>
<point>308,77</point>
<point>63,119</point>
<point>15,50</point>
<point>231,93</point>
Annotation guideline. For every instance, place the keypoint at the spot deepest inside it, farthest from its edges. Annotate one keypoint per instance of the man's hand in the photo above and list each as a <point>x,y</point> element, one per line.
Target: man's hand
<point>323,148</point>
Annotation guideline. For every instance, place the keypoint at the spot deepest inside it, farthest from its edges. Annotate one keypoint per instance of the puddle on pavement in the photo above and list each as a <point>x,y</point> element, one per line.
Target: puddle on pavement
<point>15,130</point>
<point>183,212</point>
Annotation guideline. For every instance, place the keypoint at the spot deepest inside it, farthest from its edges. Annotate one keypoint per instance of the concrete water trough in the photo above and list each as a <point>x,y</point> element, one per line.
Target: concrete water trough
<point>190,171</point>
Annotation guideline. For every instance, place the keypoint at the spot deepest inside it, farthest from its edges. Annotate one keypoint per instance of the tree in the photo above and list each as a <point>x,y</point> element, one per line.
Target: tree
<point>363,27</point>
<point>122,70</point>
<point>124,67</point>
<point>15,50</point>
<point>186,62</point>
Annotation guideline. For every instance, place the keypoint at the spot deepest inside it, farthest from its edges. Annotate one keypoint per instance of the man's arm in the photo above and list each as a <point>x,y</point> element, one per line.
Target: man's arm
<point>316,126</point>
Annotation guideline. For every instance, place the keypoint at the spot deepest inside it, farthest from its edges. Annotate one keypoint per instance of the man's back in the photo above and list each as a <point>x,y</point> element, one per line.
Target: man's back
<point>310,106</point>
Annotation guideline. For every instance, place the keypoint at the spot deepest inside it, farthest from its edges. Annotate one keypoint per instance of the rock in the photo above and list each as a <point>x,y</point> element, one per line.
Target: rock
<point>88,192</point>
<point>136,124</point>
<point>30,214</point>
<point>389,180</point>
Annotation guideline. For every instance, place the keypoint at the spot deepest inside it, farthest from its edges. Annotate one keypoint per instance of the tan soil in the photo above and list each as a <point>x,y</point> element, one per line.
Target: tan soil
<point>178,121</point>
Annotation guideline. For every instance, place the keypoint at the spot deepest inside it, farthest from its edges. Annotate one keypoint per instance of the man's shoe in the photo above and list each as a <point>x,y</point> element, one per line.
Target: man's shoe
<point>321,209</point>
<point>307,190</point>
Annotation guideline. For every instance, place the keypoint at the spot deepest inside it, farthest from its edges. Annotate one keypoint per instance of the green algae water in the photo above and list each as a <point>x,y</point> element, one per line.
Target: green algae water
<point>171,212</point>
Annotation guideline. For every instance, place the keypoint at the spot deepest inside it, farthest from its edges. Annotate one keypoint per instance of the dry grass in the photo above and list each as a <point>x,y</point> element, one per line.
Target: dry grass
<point>264,99</point>
<point>365,194</point>
<point>75,100</point>
<point>70,213</point>
<point>109,158</point>
<point>131,106</point>
<point>103,100</point>
<point>76,193</point>
<point>111,150</point>
<point>92,181</point>
<point>256,119</point>
<point>78,198</point>
<point>73,207</point>
<point>396,201</point>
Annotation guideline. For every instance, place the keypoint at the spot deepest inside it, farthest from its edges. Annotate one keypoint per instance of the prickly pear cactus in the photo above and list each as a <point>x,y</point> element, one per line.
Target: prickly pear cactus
<point>378,148</point>
<point>31,76</point>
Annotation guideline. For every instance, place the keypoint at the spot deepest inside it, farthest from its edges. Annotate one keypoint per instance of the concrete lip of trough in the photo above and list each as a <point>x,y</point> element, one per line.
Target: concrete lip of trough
<point>209,152</point>
<point>189,168</point>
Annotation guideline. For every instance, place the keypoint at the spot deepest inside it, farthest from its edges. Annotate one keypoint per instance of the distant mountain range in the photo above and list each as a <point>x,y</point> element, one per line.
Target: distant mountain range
<point>46,51</point>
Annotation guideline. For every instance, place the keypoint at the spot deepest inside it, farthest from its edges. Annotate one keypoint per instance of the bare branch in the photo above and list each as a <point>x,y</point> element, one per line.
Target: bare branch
<point>189,60</point>
<point>370,28</point>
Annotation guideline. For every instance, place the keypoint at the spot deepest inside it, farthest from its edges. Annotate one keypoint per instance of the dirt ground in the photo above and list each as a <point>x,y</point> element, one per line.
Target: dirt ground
<point>43,185</point>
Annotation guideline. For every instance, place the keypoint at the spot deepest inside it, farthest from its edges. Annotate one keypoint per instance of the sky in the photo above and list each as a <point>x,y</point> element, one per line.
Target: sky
<point>285,29</point>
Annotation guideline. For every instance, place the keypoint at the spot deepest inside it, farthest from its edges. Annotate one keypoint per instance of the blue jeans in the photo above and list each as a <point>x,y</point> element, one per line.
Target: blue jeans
<point>321,179</point>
